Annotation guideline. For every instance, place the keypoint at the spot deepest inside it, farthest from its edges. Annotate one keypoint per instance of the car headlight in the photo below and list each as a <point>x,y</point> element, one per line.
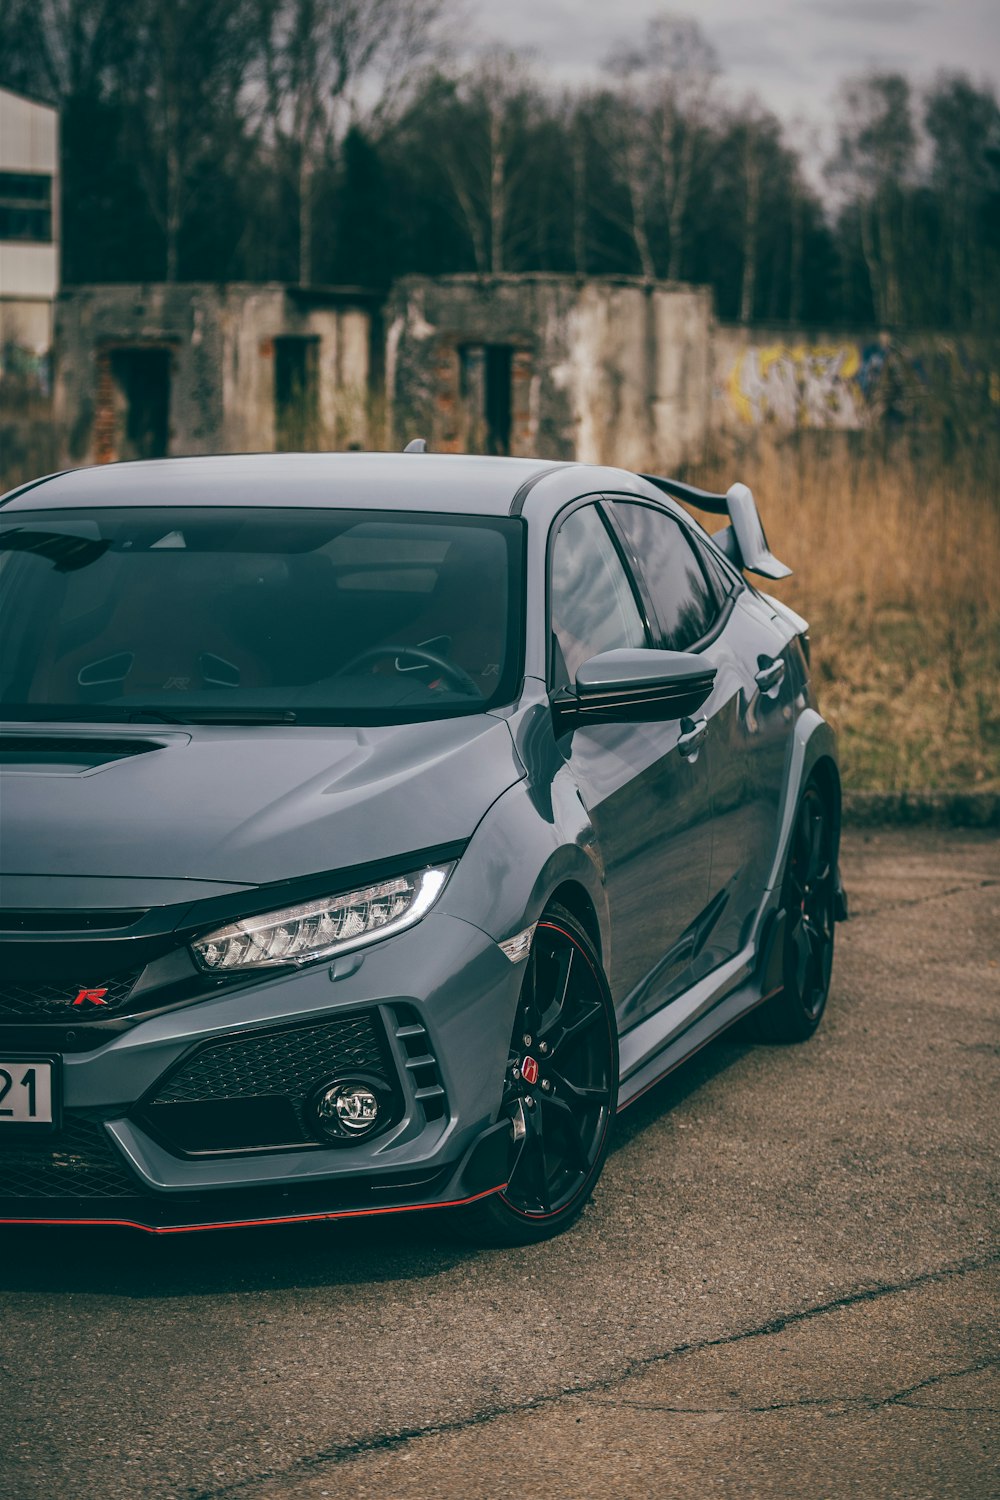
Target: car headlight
<point>318,929</point>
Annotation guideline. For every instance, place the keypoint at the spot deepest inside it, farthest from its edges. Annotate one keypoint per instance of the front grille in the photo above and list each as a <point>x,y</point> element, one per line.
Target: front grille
<point>251,1091</point>
<point>38,1001</point>
<point>78,1162</point>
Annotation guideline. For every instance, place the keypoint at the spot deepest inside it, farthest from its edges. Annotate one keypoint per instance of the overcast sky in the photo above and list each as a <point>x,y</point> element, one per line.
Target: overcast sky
<point>791,53</point>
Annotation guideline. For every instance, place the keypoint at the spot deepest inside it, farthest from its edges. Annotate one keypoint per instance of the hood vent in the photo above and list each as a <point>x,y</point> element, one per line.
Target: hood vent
<point>69,921</point>
<point>66,755</point>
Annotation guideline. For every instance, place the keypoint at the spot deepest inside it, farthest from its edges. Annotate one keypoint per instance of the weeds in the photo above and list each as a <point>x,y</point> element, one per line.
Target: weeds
<point>897,567</point>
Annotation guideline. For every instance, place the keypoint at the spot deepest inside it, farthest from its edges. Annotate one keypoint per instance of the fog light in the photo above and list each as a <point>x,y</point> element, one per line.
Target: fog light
<point>349,1109</point>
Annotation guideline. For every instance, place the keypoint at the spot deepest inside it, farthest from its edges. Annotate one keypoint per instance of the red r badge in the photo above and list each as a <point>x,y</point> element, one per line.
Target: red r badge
<point>92,997</point>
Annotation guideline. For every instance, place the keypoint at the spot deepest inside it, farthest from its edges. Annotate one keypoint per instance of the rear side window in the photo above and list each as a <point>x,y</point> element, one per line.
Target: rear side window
<point>685,604</point>
<point>723,582</point>
<point>593,606</point>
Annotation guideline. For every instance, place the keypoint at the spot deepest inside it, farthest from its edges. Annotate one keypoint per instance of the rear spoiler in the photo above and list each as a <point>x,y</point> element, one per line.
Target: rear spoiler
<point>743,540</point>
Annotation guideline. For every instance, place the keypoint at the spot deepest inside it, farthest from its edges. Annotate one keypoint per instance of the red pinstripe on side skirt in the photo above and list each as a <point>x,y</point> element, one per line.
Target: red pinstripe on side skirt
<point>688,1055</point>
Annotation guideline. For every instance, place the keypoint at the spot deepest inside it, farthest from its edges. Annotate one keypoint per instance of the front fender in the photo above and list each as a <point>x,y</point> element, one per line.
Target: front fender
<point>518,856</point>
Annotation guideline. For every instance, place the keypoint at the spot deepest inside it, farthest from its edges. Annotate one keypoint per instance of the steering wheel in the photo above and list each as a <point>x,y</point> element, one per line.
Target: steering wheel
<point>457,675</point>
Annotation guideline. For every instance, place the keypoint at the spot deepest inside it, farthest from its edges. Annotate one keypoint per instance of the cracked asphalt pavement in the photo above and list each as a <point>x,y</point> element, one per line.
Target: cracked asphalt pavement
<point>787,1283</point>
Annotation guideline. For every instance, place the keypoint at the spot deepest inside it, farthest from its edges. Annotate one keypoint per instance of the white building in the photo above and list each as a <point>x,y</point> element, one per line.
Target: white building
<point>29,236</point>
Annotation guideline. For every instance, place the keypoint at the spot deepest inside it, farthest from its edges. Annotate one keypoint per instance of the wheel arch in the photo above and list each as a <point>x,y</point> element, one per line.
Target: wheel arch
<point>518,862</point>
<point>812,751</point>
<point>576,900</point>
<point>826,773</point>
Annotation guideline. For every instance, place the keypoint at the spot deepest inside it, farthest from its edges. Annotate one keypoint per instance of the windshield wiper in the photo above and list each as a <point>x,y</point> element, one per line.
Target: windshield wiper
<point>151,713</point>
<point>217,716</point>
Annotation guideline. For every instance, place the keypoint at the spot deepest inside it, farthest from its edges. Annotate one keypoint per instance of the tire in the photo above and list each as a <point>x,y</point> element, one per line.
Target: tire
<point>565,1026</point>
<point>809,899</point>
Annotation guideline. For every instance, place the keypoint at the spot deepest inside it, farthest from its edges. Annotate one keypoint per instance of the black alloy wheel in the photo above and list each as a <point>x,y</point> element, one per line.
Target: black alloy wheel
<point>809,894</point>
<point>560,1089</point>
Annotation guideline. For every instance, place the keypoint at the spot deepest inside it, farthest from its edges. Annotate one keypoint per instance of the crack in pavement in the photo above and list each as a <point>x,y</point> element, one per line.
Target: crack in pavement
<point>829,1403</point>
<point>900,1397</point>
<point>983,1411</point>
<point>384,1442</point>
<point>956,890</point>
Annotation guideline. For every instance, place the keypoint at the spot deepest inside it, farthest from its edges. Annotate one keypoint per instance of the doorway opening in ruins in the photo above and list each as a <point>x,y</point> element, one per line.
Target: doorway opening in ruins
<point>140,401</point>
<point>498,397</point>
<point>486,375</point>
<point>296,393</point>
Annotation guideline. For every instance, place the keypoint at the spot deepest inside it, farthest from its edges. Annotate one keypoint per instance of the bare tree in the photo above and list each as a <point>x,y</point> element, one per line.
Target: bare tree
<point>485,151</point>
<point>175,70</point>
<point>876,157</point>
<point>574,124</point>
<point>751,164</point>
<point>183,81</point>
<point>963,123</point>
<point>61,48</point>
<point>627,143</point>
<point>665,88</point>
<point>763,173</point>
<point>330,61</point>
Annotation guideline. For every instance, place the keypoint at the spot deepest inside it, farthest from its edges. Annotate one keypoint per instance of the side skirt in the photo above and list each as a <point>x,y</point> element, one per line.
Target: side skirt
<point>654,1048</point>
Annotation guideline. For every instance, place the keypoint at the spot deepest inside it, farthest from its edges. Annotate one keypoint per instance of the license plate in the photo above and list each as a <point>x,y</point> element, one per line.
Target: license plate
<point>28,1093</point>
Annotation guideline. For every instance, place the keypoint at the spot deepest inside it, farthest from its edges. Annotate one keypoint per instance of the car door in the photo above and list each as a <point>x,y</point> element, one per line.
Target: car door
<point>748,765</point>
<point>748,715</point>
<point>645,786</point>
<point>691,605</point>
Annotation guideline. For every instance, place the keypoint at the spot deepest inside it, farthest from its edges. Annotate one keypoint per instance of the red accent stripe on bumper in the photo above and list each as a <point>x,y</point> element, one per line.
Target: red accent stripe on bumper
<point>345,1213</point>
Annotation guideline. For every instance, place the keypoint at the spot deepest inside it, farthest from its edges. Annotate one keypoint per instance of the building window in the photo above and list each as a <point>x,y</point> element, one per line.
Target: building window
<point>26,206</point>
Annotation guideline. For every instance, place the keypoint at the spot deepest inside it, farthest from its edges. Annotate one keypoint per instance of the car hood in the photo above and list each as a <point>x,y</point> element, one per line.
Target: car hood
<point>241,806</point>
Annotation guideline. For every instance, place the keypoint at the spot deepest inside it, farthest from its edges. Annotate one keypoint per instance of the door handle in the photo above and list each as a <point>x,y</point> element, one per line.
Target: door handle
<point>692,737</point>
<point>770,673</point>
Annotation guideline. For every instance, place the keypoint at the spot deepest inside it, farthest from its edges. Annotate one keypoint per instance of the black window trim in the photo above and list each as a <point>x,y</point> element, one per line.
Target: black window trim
<point>724,607</point>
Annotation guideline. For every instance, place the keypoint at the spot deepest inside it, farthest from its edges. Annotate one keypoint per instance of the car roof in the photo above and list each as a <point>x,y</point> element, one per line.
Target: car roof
<point>462,484</point>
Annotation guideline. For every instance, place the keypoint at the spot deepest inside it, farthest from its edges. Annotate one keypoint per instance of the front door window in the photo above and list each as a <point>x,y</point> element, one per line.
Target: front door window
<point>593,604</point>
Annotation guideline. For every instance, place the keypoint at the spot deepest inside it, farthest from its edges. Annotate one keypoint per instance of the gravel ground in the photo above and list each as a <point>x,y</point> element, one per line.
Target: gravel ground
<point>786,1285</point>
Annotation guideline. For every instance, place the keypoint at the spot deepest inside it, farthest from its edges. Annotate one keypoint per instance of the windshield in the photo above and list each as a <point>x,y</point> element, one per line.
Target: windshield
<point>308,616</point>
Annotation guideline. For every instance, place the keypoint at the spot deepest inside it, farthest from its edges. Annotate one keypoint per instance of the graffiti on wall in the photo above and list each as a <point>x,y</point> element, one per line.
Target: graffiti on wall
<point>848,385</point>
<point>797,385</point>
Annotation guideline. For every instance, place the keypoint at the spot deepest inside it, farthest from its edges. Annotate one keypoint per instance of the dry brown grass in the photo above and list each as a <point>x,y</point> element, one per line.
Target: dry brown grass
<point>897,567</point>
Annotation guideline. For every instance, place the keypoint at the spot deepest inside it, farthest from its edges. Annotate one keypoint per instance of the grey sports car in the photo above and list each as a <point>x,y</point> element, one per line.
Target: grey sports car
<point>375,827</point>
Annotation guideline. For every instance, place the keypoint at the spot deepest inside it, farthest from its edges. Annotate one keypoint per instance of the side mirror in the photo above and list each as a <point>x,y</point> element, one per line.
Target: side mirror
<point>634,687</point>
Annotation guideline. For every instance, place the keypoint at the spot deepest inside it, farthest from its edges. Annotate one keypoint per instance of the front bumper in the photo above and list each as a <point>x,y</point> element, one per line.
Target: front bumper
<point>440,999</point>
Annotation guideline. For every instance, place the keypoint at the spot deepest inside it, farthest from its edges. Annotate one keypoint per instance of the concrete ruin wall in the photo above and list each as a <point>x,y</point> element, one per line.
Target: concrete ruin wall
<point>603,371</point>
<point>606,370</point>
<point>219,343</point>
